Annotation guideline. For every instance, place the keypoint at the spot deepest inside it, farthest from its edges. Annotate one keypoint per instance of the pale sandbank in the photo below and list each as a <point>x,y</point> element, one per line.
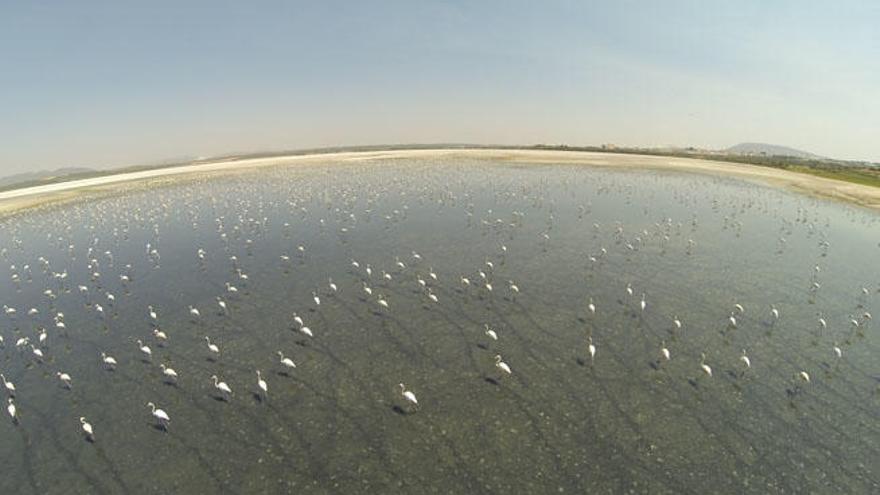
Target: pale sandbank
<point>868,196</point>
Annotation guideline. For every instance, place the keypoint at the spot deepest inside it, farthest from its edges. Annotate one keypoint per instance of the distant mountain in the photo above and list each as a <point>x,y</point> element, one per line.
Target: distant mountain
<point>42,176</point>
<point>769,150</point>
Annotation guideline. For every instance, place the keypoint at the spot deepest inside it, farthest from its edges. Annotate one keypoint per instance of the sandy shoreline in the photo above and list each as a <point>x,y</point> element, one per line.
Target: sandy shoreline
<point>18,199</point>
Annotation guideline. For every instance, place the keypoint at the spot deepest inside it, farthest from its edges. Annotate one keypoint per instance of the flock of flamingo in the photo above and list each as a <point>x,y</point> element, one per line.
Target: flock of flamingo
<point>94,272</point>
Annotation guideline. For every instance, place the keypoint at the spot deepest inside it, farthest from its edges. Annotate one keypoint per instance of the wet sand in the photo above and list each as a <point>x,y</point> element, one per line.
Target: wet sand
<point>868,196</point>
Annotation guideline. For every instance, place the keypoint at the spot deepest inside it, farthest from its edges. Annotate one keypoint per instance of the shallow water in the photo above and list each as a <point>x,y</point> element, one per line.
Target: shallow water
<point>626,422</point>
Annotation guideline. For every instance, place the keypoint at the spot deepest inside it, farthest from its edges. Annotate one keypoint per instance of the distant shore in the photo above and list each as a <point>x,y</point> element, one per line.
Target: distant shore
<point>868,196</point>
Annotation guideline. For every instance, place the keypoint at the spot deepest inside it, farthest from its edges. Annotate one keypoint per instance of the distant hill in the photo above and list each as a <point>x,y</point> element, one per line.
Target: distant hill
<point>765,149</point>
<point>43,176</point>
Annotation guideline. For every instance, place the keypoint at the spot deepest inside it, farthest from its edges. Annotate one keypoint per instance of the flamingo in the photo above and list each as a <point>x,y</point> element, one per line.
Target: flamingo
<point>10,387</point>
<point>591,307</point>
<point>664,351</point>
<point>745,359</point>
<point>87,428</point>
<point>37,353</point>
<point>11,410</point>
<point>160,415</point>
<point>161,337</point>
<point>109,361</point>
<point>286,361</point>
<point>169,373</point>
<point>409,396</point>
<point>491,333</point>
<point>706,369</point>
<point>65,379</point>
<point>592,349</point>
<point>222,387</point>
<point>148,353</point>
<point>513,287</point>
<point>501,365</point>
<point>264,388</point>
<point>212,347</point>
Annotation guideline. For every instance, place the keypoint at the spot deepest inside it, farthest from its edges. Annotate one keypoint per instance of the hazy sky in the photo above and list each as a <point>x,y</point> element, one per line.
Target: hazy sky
<point>91,83</point>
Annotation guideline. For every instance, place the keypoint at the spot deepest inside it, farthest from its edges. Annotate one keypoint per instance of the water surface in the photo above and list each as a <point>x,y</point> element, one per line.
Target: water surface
<point>625,421</point>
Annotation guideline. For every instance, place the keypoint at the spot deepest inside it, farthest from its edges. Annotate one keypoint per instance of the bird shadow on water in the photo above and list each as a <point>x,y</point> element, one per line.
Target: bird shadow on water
<point>492,381</point>
<point>580,361</point>
<point>399,410</point>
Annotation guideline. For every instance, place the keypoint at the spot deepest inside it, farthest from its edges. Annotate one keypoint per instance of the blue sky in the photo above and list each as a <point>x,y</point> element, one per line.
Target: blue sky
<point>93,83</point>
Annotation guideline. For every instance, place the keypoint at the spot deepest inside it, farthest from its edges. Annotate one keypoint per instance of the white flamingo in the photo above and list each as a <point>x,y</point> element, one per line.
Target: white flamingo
<point>10,408</point>
<point>65,379</point>
<point>160,415</point>
<point>212,347</point>
<point>109,361</point>
<point>706,369</point>
<point>148,353</point>
<point>664,351</point>
<point>286,361</point>
<point>264,387</point>
<point>87,429</point>
<point>10,387</point>
<point>409,395</point>
<point>222,387</point>
<point>745,359</point>
<point>169,373</point>
<point>501,365</point>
